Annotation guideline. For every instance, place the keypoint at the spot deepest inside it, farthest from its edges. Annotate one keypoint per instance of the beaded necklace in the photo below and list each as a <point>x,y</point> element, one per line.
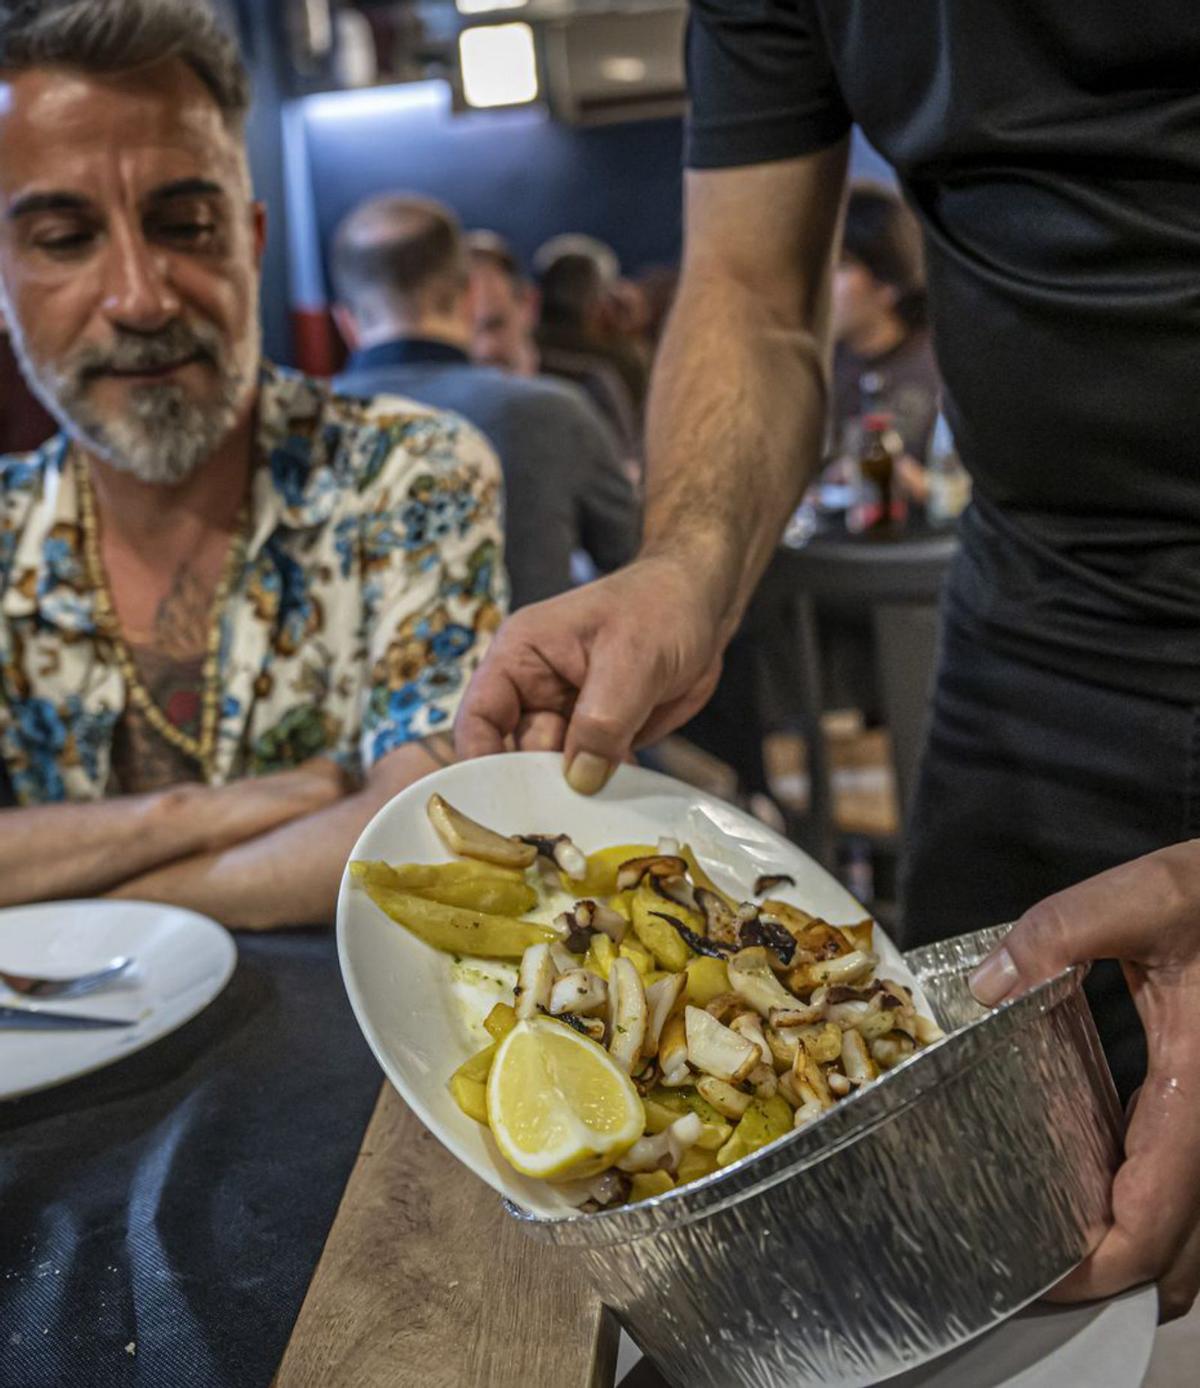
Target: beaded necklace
<point>202,749</point>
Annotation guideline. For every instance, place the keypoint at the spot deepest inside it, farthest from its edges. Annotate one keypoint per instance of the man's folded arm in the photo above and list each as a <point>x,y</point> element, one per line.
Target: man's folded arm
<point>82,849</point>
<point>291,875</point>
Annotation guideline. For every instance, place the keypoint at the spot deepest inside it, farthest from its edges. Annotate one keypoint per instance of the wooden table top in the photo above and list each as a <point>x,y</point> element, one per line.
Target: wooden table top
<point>426,1281</point>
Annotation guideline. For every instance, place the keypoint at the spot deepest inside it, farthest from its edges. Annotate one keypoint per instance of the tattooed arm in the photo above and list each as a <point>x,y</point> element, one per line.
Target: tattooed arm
<point>291,875</point>
<point>84,849</point>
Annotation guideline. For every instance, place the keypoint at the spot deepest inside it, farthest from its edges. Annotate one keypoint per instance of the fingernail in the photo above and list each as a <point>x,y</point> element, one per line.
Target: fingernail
<point>995,978</point>
<point>588,773</point>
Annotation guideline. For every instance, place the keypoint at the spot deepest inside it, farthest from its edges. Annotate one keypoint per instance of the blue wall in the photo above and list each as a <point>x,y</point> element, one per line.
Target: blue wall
<point>515,172</point>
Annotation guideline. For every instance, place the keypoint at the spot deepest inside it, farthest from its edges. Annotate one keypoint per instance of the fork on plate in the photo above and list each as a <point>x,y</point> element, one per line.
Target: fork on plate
<point>29,986</point>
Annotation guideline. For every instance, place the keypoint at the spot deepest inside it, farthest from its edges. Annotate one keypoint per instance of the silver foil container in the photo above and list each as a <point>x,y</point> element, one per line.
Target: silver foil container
<point>909,1218</point>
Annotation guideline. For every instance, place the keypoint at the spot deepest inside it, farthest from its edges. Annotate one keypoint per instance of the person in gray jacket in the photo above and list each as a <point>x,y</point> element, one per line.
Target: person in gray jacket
<point>400,275</point>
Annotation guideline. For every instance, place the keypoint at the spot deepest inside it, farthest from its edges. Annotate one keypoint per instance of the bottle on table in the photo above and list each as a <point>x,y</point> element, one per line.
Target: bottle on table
<point>882,508</point>
<point>949,481</point>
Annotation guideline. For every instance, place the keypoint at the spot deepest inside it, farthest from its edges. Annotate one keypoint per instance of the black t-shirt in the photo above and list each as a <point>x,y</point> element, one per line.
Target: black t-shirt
<point>1052,151</point>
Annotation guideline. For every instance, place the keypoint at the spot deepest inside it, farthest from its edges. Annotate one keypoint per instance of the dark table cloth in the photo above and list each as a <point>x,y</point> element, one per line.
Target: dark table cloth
<point>160,1220</point>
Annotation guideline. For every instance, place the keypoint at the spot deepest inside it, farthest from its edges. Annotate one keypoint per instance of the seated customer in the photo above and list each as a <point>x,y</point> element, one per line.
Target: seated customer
<point>223,591</point>
<point>574,274</point>
<point>400,273</point>
<point>883,360</point>
<point>504,307</point>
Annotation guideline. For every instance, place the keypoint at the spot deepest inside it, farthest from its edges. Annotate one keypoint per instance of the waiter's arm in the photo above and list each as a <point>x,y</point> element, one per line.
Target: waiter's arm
<point>738,407</point>
<point>736,420</point>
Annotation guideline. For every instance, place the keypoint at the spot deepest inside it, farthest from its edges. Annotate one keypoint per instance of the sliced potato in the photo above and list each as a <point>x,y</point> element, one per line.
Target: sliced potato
<point>763,1122</point>
<point>659,936</point>
<point>468,1084</point>
<point>686,1100</point>
<point>707,978</point>
<point>463,835</point>
<point>644,1184</point>
<point>622,904</point>
<point>602,868</point>
<point>479,1066</point>
<point>600,955</point>
<point>470,1096</point>
<point>638,955</point>
<point>457,930</point>
<point>496,898</point>
<point>472,885</point>
<point>714,1136</point>
<point>500,1021</point>
<point>696,1162</point>
<point>659,1116</point>
<point>419,877</point>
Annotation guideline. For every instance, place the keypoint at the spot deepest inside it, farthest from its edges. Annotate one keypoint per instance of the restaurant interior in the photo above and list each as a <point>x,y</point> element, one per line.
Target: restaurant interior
<point>250,1200</point>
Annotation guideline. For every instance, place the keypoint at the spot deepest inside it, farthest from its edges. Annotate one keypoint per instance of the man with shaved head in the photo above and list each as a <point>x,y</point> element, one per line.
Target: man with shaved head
<point>234,609</point>
<point>401,275</point>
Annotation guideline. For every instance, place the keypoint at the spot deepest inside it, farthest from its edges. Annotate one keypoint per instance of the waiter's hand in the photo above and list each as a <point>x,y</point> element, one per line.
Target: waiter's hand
<point>597,671</point>
<point>1147,915</point>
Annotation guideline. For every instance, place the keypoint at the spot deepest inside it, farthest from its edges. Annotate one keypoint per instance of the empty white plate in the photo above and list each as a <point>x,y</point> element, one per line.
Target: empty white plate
<point>420,1012</point>
<point>183,961</point>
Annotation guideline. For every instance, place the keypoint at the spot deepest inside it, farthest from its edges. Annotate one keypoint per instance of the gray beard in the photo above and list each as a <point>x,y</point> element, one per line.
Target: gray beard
<point>165,435</point>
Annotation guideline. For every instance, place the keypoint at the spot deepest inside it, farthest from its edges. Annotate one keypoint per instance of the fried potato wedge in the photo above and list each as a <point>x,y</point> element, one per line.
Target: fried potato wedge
<point>468,1084</point>
<point>602,868</point>
<point>471,885</point>
<point>707,978</point>
<point>659,936</point>
<point>763,1122</point>
<point>457,930</point>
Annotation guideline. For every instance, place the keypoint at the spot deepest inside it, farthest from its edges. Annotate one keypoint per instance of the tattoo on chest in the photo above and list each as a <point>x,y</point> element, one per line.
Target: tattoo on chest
<point>182,620</point>
<point>142,758</point>
<point>171,667</point>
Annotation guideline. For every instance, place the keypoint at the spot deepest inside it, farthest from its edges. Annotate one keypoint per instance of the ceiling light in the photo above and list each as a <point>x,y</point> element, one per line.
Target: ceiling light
<point>499,65</point>
<point>487,6</point>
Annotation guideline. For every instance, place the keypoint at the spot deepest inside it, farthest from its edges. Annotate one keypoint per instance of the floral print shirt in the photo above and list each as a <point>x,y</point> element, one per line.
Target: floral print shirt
<point>371,583</point>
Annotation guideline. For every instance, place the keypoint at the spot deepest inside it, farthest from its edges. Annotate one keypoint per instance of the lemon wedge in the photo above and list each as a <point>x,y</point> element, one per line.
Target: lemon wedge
<point>557,1104</point>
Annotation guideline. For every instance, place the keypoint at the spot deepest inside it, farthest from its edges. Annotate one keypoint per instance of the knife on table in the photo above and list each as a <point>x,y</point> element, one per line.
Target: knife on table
<point>39,1019</point>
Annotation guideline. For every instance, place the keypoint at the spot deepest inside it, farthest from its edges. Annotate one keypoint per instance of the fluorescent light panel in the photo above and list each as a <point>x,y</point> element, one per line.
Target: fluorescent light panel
<point>499,65</point>
<point>488,6</point>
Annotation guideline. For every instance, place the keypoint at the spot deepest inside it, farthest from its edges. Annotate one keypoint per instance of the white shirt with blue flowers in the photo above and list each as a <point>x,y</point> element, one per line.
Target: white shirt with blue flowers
<point>371,584</point>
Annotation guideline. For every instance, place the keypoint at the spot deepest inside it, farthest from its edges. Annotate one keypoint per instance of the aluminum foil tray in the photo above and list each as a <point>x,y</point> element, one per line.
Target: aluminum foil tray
<point>916,1214</point>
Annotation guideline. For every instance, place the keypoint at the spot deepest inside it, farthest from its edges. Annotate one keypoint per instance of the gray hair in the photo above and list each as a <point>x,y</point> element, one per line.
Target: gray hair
<point>109,36</point>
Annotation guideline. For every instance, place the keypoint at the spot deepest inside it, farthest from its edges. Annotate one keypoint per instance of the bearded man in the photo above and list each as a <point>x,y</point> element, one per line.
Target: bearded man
<point>235,610</point>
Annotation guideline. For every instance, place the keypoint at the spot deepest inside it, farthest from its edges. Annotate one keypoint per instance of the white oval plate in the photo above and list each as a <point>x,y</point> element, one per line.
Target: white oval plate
<point>410,999</point>
<point>183,961</point>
